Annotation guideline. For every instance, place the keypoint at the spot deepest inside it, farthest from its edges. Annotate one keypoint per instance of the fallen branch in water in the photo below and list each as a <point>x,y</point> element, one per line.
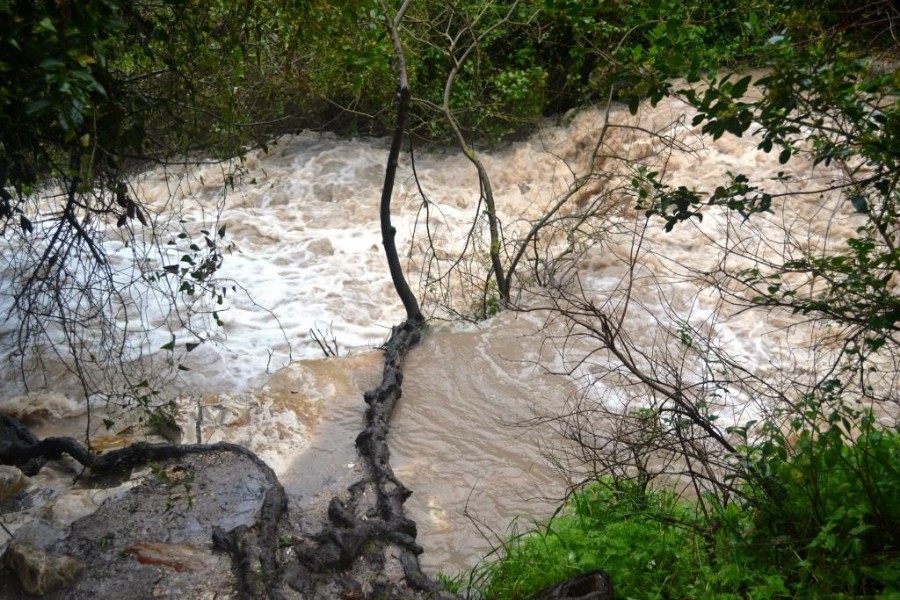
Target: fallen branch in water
<point>358,525</point>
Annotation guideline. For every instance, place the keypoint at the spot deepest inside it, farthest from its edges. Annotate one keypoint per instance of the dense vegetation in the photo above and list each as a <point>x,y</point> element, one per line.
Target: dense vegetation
<point>93,87</point>
<point>825,526</point>
<point>802,504</point>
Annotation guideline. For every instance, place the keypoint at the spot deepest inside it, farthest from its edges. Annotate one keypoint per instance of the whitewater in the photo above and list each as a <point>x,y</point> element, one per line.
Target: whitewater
<point>297,228</point>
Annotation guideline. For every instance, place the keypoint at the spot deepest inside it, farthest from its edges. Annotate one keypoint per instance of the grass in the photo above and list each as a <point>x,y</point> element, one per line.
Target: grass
<point>826,527</point>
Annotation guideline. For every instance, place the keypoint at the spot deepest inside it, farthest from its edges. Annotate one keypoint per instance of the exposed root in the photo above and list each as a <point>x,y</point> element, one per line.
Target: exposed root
<point>367,547</point>
<point>20,447</point>
<point>362,525</point>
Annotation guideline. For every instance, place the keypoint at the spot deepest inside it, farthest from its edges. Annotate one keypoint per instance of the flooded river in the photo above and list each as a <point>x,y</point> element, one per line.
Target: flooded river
<point>302,254</point>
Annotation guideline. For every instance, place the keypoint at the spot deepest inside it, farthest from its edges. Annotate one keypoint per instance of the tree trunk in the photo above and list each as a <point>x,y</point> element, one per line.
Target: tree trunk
<point>388,232</point>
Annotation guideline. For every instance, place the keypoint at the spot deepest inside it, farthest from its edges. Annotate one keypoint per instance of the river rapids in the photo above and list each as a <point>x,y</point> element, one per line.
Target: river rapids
<point>302,268</point>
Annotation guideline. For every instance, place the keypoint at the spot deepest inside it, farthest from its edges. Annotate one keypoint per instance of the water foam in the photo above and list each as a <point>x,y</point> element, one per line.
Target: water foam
<point>302,251</point>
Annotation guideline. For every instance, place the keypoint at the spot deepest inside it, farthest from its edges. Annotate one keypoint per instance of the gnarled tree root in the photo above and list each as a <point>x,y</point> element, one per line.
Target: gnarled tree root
<point>358,526</point>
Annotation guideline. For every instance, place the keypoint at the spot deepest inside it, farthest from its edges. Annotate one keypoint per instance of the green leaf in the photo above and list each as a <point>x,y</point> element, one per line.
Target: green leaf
<point>740,87</point>
<point>734,127</point>
<point>46,25</point>
<point>37,106</point>
<point>53,64</point>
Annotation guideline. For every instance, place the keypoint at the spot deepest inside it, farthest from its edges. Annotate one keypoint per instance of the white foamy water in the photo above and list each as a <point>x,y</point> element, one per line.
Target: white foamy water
<point>301,250</point>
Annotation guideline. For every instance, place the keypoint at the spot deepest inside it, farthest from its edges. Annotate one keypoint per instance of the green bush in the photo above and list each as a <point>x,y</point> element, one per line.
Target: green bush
<point>825,509</point>
<point>639,537</point>
<point>818,518</point>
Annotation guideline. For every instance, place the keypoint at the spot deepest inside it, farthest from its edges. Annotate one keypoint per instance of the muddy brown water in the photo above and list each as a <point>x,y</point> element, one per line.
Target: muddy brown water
<point>459,438</point>
<point>459,441</point>
<point>302,236</point>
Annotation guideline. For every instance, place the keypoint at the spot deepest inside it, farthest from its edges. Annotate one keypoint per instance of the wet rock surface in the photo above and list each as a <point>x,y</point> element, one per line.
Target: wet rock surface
<point>155,540</point>
<point>39,572</point>
<point>212,521</point>
<point>11,481</point>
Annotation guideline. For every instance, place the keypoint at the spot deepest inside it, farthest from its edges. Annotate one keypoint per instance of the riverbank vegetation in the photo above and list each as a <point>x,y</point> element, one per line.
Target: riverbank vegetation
<point>798,501</point>
<point>820,524</point>
<point>787,502</point>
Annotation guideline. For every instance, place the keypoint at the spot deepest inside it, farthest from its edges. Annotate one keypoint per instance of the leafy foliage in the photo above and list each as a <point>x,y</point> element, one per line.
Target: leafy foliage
<point>823,100</point>
<point>620,530</point>
<point>819,522</point>
<point>822,500</point>
<point>91,86</point>
<point>93,91</point>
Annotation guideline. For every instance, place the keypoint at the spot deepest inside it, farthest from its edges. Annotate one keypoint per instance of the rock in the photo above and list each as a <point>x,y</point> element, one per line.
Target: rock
<point>155,538</point>
<point>38,534</point>
<point>593,585</point>
<point>178,557</point>
<point>11,481</point>
<point>40,573</point>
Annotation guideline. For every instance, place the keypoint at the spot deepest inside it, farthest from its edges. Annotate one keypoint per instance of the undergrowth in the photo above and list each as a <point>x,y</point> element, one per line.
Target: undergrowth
<point>814,518</point>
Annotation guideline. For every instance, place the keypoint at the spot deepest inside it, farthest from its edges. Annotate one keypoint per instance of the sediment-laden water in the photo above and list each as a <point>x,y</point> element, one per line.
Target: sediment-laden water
<point>302,252</point>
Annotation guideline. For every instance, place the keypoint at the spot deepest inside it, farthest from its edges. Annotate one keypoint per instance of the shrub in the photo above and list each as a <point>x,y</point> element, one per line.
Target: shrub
<point>819,519</point>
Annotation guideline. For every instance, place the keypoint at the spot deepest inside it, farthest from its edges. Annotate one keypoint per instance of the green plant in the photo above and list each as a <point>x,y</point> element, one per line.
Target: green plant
<point>642,538</point>
<point>179,481</point>
<point>285,541</point>
<point>822,498</point>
